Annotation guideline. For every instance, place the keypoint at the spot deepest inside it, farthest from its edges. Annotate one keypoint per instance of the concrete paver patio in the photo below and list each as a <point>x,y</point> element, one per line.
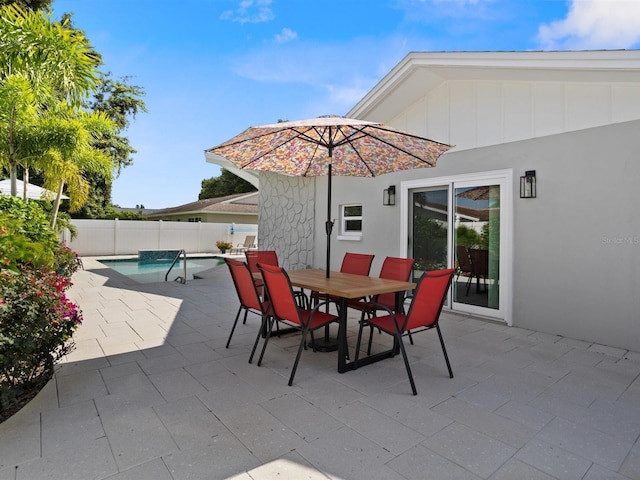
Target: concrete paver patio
<point>151,392</point>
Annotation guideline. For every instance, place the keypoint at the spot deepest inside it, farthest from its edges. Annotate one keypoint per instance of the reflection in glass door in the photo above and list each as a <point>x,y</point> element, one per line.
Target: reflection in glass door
<point>460,224</point>
<point>477,246</point>
<point>429,229</point>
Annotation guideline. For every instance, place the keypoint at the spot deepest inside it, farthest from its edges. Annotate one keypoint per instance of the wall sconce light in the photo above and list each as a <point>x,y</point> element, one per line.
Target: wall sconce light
<point>389,195</point>
<point>528,184</point>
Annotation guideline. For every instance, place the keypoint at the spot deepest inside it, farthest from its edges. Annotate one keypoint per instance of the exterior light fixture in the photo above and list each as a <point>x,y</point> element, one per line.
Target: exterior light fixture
<point>528,184</point>
<point>389,195</point>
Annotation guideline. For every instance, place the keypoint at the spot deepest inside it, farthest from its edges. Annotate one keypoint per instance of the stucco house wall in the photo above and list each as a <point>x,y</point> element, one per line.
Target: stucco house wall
<point>573,117</point>
<point>286,218</point>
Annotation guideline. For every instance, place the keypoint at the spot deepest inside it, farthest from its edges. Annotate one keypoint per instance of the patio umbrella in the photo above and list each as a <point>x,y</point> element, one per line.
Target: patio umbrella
<point>329,145</point>
<point>479,193</point>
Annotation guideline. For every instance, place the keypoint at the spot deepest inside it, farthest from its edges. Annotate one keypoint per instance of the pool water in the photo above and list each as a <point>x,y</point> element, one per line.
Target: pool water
<point>156,271</point>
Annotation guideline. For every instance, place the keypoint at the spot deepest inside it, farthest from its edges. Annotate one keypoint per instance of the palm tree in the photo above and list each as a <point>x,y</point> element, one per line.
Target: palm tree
<point>42,62</point>
<point>69,161</point>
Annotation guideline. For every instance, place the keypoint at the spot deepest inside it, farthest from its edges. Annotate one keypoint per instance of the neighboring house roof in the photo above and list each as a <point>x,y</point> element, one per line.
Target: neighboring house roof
<point>239,204</point>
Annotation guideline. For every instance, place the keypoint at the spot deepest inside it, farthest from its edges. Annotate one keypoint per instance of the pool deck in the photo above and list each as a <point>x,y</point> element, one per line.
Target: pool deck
<point>151,392</point>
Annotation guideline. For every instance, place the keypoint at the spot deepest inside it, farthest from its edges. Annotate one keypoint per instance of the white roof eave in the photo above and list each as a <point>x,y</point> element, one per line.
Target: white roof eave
<point>250,176</point>
<point>420,72</point>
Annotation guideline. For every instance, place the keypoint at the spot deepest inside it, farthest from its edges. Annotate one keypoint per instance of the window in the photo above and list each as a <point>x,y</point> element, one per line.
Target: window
<point>195,219</point>
<point>350,222</point>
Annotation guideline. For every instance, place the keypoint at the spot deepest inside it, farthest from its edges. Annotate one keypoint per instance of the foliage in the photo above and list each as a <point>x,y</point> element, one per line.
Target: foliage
<point>226,184</point>
<point>29,4</point>
<point>66,262</point>
<point>111,213</point>
<point>48,53</point>
<point>36,317</point>
<point>37,321</point>
<point>31,220</point>
<point>224,245</point>
<point>429,243</point>
<point>468,237</point>
<point>119,101</point>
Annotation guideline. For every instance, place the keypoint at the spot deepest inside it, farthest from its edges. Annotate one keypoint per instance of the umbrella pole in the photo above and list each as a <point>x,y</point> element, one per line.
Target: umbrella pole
<point>329,223</point>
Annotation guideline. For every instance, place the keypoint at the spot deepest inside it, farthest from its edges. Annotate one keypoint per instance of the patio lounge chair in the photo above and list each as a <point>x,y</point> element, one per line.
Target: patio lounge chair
<point>424,314</point>
<point>249,242</point>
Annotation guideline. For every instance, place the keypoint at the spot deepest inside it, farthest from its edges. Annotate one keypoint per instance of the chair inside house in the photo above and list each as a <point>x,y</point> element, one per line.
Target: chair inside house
<point>424,314</point>
<point>248,295</point>
<point>285,309</point>
<point>480,267</point>
<point>249,242</point>
<point>465,267</point>
<point>393,268</point>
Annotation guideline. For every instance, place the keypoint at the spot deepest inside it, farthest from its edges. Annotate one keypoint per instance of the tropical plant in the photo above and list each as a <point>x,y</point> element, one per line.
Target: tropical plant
<point>37,321</point>
<point>43,63</point>
<point>36,317</point>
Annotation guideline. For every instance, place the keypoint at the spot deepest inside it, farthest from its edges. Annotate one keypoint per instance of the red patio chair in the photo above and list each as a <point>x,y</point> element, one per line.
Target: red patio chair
<point>424,314</point>
<point>285,309</point>
<point>393,268</point>
<point>355,263</point>
<point>270,257</point>
<point>248,295</point>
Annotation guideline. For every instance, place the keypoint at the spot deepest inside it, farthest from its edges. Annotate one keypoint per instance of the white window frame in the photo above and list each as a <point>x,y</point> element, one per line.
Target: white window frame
<point>350,235</point>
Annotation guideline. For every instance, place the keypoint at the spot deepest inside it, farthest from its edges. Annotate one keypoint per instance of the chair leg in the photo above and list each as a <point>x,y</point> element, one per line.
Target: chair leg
<point>410,336</point>
<point>406,362</point>
<point>444,351</point>
<point>266,340</point>
<point>263,327</point>
<point>246,311</point>
<point>235,323</point>
<point>300,348</point>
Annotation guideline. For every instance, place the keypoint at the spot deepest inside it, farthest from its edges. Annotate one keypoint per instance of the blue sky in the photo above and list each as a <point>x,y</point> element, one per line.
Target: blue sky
<point>212,68</point>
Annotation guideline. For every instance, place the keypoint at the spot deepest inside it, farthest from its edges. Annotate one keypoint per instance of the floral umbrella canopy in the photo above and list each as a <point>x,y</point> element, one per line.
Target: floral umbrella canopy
<point>329,146</point>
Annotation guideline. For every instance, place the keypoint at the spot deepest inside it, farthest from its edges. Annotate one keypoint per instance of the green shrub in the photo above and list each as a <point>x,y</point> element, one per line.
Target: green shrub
<point>37,320</point>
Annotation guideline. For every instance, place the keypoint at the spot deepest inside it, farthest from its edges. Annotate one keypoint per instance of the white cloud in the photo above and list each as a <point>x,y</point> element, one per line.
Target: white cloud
<point>593,25</point>
<point>340,73</point>
<point>286,35</point>
<point>250,11</point>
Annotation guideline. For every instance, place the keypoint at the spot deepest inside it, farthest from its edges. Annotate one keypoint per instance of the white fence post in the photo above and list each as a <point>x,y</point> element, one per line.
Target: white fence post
<point>116,228</point>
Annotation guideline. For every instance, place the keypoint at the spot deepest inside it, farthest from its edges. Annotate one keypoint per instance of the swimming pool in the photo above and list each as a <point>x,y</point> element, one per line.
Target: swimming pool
<point>151,272</point>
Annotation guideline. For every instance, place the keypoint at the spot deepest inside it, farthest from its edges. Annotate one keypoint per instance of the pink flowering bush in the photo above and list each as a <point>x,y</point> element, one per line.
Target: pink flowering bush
<point>37,319</point>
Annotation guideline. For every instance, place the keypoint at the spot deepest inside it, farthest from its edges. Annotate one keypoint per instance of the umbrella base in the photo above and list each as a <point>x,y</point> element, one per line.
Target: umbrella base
<point>326,343</point>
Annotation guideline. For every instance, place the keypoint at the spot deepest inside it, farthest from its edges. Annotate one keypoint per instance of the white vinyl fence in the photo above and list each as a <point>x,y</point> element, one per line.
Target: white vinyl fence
<point>126,237</point>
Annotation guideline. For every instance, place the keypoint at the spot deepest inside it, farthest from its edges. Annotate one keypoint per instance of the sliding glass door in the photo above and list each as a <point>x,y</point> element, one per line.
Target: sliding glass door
<point>462,222</point>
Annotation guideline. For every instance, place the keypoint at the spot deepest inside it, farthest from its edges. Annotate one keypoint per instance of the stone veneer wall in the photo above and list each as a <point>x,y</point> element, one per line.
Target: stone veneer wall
<point>286,218</point>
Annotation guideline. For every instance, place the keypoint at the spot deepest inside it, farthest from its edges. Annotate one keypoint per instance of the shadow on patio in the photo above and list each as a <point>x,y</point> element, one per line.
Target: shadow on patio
<point>151,392</point>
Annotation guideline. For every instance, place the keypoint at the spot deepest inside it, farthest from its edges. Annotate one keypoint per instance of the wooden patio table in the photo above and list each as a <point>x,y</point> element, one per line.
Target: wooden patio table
<point>347,287</point>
